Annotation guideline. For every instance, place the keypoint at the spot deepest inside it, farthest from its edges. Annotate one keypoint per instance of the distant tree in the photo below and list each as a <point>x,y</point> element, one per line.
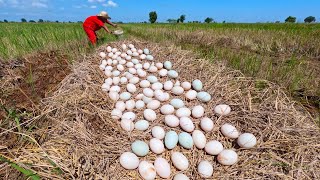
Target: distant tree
<point>310,19</point>
<point>291,19</point>
<point>57,21</point>
<point>32,21</point>
<point>182,18</point>
<point>277,22</point>
<point>223,22</point>
<point>153,16</point>
<point>172,20</point>
<point>23,20</point>
<point>41,21</point>
<point>5,21</point>
<point>208,20</point>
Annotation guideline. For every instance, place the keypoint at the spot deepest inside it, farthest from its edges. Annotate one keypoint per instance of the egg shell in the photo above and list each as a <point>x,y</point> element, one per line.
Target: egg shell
<point>135,61</point>
<point>141,73</point>
<point>120,105</point>
<point>128,57</point>
<point>131,46</point>
<point>109,62</point>
<point>162,167</point>
<point>144,84</point>
<point>105,87</point>
<point>114,96</point>
<point>167,109</point>
<point>140,51</point>
<point>129,75</point>
<point>185,140</point>
<point>168,85</point>
<point>108,81</point>
<point>108,73</point>
<point>133,49</point>
<point>146,65</point>
<point>131,88</point>
<point>109,49</point>
<point>140,104</point>
<point>146,51</point>
<point>139,96</point>
<point>110,54</point>
<point>129,116</point>
<point>247,140</point>
<point>147,170</point>
<point>229,131</point>
<point>116,80</point>
<point>179,161</point>
<point>177,83</point>
<point>163,72</point>
<point>141,125</point>
<point>102,55</point>
<point>171,139</point>
<point>143,56</point>
<point>157,86</point>
<point>123,55</point>
<point>146,99</point>
<point>138,66</point>
<point>115,89</point>
<point>114,62</point>
<point>116,114</point>
<point>180,176</point>
<point>199,139</point>
<point>156,146</point>
<point>114,50</point>
<point>205,169</point>
<point>197,111</point>
<point>109,67</point>
<point>173,74</point>
<point>183,112</point>
<point>206,124</point>
<point>123,46</point>
<point>122,62</point>
<point>130,104</point>
<point>171,120</point>
<point>153,69</point>
<point>125,96</point>
<point>154,104</point>
<point>213,147</point>
<point>149,57</point>
<point>127,125</point>
<point>191,94</point>
<point>102,67</point>
<point>159,65</point>
<point>140,148</point>
<point>204,96</point>
<point>134,80</point>
<point>135,54</point>
<point>222,109</point>
<point>227,157</point>
<point>197,85</point>
<point>158,132</point>
<point>186,124</point>
<point>148,92</point>
<point>129,52</point>
<point>123,80</point>
<point>177,90</point>
<point>128,160</point>
<point>186,85</point>
<point>129,64</point>
<point>132,71</point>
<point>177,103</point>
<point>167,65</point>
<point>149,115</point>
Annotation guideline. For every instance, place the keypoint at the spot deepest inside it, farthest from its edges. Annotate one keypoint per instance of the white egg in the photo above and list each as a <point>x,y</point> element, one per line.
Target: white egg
<point>116,73</point>
<point>125,96</point>
<point>153,69</point>
<point>154,104</point>
<point>149,58</point>
<point>123,55</point>
<point>109,49</point>
<point>205,169</point>
<point>146,51</point>
<point>186,85</point>
<point>135,61</point>
<point>128,75</point>
<point>147,170</point>
<point>123,46</point>
<point>247,140</point>
<point>140,51</point>
<point>144,84</point>
<point>146,99</point>
<point>158,132</point>
<point>185,140</point>
<point>127,125</point>
<point>204,96</point>
<point>128,57</point>
<point>131,88</point>
<point>129,116</point>
<point>162,167</point>
<point>114,50</point>
<point>104,62</point>
<point>109,62</point>
<point>116,114</point>
<point>152,79</point>
<point>159,65</point>
<point>222,109</point>
<point>132,71</point>
<point>123,80</point>
<point>129,64</point>
<point>110,68</point>
<point>114,57</point>
<point>173,74</point>
<point>180,176</point>
<point>156,146</point>
<point>227,157</point>
<point>197,111</point>
<point>191,94</point>
<point>166,96</point>
<point>105,87</point>
<point>113,95</point>
<point>130,105</point>
<point>102,67</point>
<point>122,61</point>
<point>141,125</point>
<point>143,56</point>
<point>157,86</point>
<point>213,147</point>
<point>171,120</point>
<point>206,124</point>
<point>167,65</point>
<point>120,105</point>
<point>140,148</point>
<point>179,161</point>
<point>199,139</point>
<point>183,112</point>
<point>138,66</point>
<point>148,92</point>
<point>116,80</point>
<point>186,124</point>
<point>128,160</point>
<point>163,72</point>
<point>134,80</point>
<point>167,109</point>
<point>197,85</point>
<point>171,139</point>
<point>133,49</point>
<point>131,46</point>
<point>146,66</point>
<point>129,52</point>
<point>177,83</point>
<point>140,104</point>
<point>149,115</point>
<point>177,103</point>
<point>115,89</point>
<point>110,54</point>
<point>177,90</point>
<point>108,73</point>
<point>108,81</point>
<point>139,96</point>
<point>141,73</point>
<point>168,85</point>
<point>229,131</point>
<point>135,54</point>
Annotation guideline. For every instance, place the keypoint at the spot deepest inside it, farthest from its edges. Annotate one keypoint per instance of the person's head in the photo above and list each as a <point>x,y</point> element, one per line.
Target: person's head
<point>104,16</point>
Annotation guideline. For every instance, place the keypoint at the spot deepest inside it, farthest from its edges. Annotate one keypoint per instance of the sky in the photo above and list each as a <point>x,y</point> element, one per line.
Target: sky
<point>138,10</point>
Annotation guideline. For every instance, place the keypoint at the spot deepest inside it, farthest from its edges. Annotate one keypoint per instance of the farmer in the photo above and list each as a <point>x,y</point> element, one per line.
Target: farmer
<point>94,23</point>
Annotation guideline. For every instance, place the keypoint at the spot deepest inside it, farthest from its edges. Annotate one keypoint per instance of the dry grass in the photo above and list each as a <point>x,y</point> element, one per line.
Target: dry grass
<point>83,142</point>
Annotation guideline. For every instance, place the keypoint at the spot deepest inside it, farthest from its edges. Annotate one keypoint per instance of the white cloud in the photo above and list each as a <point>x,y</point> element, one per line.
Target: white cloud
<point>92,1</point>
<point>39,5</point>
<point>24,4</point>
<point>93,7</point>
<point>110,4</point>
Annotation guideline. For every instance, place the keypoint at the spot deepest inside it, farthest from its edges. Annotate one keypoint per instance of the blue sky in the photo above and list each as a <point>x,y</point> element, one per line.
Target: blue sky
<point>138,10</point>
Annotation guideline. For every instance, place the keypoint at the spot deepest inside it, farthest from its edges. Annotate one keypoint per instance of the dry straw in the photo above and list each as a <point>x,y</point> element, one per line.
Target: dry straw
<point>83,142</point>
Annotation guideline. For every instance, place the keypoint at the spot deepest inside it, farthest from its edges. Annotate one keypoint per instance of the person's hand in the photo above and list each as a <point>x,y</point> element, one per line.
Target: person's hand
<point>115,25</point>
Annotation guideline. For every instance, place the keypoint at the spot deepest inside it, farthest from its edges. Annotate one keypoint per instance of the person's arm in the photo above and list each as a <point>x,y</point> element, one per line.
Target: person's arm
<point>105,28</point>
<point>109,22</point>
